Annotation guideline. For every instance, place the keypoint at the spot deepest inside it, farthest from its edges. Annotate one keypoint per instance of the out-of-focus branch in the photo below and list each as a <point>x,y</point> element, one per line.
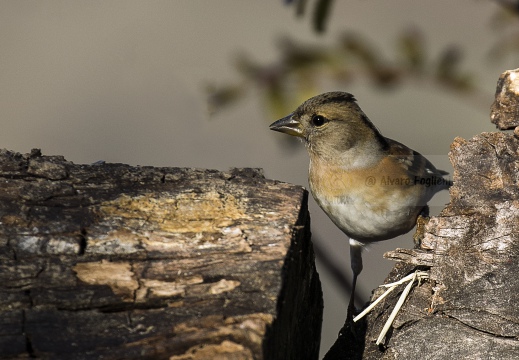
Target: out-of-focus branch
<point>302,70</point>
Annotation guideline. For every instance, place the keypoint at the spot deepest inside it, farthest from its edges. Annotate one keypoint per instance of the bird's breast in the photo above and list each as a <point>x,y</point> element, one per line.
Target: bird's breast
<point>368,205</point>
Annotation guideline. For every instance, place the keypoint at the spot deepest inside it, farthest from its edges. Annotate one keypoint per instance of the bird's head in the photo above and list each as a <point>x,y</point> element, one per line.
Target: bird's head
<point>331,124</point>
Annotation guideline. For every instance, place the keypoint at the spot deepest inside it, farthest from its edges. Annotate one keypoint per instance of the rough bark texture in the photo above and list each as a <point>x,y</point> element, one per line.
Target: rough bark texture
<point>505,110</point>
<point>468,309</point>
<point>117,262</point>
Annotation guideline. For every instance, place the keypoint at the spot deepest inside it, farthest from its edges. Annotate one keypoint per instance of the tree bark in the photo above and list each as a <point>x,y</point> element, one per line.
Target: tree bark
<point>468,308</point>
<point>118,262</point>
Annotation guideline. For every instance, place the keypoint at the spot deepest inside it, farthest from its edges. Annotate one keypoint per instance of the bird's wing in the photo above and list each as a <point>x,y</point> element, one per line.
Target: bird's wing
<point>416,165</point>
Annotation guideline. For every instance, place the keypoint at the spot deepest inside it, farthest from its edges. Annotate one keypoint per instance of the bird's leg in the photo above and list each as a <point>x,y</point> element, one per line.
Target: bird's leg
<point>356,267</point>
<point>421,221</point>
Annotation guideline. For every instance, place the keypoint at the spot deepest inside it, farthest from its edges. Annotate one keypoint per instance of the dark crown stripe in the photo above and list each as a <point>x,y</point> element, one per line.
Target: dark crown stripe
<point>339,97</point>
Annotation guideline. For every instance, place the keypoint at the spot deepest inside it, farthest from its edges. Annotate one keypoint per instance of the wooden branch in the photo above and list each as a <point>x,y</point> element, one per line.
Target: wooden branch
<point>118,262</point>
<point>468,309</point>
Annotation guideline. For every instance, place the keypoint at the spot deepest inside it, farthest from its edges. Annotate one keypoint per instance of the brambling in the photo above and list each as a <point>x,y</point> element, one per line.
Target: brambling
<point>373,188</point>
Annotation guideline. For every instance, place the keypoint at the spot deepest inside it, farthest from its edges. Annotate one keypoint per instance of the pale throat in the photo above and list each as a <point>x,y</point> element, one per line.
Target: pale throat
<point>361,156</point>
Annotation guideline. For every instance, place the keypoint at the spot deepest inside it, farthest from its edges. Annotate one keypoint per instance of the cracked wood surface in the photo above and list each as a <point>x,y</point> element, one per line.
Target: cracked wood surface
<point>114,261</point>
<point>468,307</point>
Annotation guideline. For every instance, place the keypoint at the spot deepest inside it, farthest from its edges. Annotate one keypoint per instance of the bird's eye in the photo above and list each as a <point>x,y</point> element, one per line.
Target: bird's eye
<point>319,120</point>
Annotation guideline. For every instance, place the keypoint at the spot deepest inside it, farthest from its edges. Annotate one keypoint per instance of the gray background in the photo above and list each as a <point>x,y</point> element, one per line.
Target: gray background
<point>123,81</point>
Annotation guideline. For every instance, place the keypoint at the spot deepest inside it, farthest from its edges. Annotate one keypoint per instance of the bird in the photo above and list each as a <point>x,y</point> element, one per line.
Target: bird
<point>373,188</point>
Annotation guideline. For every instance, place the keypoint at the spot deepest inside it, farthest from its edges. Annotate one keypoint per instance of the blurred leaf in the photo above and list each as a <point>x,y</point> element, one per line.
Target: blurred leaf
<point>322,11</point>
<point>510,5</point>
<point>386,76</point>
<point>411,46</point>
<point>508,45</point>
<point>296,56</point>
<point>246,67</point>
<point>448,71</point>
<point>301,7</point>
<point>505,22</point>
<point>448,62</point>
<point>381,72</point>
<point>463,82</point>
<point>276,101</point>
<point>360,48</point>
<point>221,97</point>
<point>320,15</point>
<point>503,19</point>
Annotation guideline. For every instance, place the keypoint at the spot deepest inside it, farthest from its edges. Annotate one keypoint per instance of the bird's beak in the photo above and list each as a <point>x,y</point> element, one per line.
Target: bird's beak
<point>288,125</point>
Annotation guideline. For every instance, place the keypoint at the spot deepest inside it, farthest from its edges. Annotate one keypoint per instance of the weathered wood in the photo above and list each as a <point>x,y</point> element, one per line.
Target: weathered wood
<point>118,262</point>
<point>505,109</point>
<point>468,309</point>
